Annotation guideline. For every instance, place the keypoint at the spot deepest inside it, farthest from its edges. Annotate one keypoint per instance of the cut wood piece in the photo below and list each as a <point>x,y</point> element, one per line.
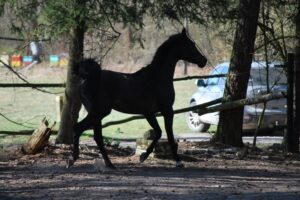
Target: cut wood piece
<point>39,138</point>
<point>141,146</point>
<point>161,150</point>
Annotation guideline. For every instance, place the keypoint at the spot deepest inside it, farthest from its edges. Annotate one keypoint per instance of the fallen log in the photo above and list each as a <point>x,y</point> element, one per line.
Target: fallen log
<point>39,138</point>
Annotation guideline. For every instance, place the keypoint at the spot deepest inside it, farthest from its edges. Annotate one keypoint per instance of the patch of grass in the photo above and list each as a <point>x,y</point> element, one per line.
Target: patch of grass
<point>28,107</point>
<point>6,49</point>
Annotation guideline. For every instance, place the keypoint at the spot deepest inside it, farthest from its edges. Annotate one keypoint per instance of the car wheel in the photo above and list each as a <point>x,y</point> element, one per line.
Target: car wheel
<point>194,122</point>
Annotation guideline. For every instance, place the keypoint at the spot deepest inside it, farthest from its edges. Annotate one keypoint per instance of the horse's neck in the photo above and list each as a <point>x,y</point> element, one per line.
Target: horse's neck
<point>164,69</point>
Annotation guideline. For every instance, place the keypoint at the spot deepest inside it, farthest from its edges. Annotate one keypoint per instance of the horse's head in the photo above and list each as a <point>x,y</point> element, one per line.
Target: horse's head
<point>189,51</point>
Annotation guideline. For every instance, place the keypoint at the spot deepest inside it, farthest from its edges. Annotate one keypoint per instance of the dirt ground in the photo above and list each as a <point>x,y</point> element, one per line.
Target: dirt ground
<point>209,173</point>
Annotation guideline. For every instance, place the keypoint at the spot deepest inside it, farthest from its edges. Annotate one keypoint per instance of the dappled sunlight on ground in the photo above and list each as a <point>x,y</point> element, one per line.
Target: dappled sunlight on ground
<point>213,175</point>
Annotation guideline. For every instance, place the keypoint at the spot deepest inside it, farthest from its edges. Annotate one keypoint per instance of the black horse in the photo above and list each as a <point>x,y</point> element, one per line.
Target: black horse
<point>147,91</point>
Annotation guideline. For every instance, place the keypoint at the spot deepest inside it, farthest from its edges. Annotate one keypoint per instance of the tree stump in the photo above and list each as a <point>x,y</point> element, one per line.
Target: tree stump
<point>39,138</point>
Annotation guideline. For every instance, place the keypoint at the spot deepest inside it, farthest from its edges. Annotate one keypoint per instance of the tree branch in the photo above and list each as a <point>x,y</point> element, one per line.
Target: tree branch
<point>20,39</point>
<point>23,79</point>
<point>49,85</point>
<point>204,108</point>
<point>14,122</point>
<point>240,103</point>
<point>159,114</point>
<point>199,77</point>
<point>32,85</point>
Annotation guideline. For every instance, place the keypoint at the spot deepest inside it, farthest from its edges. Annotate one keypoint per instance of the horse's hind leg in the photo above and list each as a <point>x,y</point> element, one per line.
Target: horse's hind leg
<point>168,118</point>
<point>154,124</point>
<point>99,140</point>
<point>79,128</point>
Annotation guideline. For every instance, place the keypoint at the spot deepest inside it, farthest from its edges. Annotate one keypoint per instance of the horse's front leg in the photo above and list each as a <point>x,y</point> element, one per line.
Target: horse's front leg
<point>157,131</point>
<point>168,118</point>
<point>99,140</point>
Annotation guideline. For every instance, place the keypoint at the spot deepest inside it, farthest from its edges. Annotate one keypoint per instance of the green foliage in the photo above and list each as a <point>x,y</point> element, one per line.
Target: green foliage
<point>277,24</point>
<point>53,18</point>
<point>2,3</point>
<point>110,141</point>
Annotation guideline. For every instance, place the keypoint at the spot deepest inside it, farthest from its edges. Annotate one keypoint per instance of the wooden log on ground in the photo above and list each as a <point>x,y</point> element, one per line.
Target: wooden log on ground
<point>39,139</point>
<point>141,146</point>
<point>161,150</point>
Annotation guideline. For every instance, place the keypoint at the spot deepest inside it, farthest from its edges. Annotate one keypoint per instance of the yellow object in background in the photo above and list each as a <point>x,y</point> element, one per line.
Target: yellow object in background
<point>63,62</point>
<point>16,61</point>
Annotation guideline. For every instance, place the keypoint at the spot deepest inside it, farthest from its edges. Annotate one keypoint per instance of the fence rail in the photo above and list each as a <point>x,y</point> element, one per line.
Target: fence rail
<point>32,85</point>
<point>56,85</point>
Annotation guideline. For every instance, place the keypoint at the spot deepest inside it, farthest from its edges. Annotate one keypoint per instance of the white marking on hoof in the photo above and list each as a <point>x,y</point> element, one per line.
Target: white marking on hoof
<point>70,162</point>
<point>179,164</point>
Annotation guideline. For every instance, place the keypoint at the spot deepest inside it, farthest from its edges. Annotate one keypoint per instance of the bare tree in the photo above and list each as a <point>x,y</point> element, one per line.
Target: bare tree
<point>297,81</point>
<point>230,123</point>
<point>72,102</point>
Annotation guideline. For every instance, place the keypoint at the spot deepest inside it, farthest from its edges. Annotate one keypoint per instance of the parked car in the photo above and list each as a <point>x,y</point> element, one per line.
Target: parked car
<point>213,88</point>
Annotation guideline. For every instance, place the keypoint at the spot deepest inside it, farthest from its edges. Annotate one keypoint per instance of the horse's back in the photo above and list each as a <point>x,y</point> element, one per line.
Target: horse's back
<point>128,93</point>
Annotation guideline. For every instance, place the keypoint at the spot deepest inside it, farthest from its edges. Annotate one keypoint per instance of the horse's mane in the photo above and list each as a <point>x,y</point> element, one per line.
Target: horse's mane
<point>163,49</point>
<point>160,54</point>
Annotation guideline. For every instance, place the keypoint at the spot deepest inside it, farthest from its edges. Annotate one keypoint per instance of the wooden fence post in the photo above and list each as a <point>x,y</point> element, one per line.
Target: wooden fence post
<point>289,136</point>
<point>59,105</point>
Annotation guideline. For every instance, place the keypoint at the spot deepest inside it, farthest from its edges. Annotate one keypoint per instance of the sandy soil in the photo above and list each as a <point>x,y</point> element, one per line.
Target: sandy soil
<point>209,173</point>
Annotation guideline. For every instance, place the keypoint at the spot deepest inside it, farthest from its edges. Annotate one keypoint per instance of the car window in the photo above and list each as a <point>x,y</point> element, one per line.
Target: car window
<point>218,81</point>
<point>276,76</point>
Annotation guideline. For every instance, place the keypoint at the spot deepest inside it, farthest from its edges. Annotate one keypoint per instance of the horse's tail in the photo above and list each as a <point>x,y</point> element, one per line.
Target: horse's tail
<point>87,68</point>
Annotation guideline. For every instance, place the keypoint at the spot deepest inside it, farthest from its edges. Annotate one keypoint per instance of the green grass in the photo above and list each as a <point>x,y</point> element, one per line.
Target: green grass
<point>28,107</point>
<point>14,139</point>
<point>25,105</point>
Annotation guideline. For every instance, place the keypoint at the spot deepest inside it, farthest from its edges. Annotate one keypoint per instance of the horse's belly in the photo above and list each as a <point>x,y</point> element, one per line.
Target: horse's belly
<point>135,105</point>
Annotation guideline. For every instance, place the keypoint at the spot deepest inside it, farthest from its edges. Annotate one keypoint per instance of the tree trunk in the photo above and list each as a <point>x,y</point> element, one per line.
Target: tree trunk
<point>72,102</point>
<point>231,121</point>
<point>297,82</point>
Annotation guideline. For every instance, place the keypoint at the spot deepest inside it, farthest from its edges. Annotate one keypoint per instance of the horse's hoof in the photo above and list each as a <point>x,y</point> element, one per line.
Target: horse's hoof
<point>110,165</point>
<point>103,166</point>
<point>143,157</point>
<point>70,163</point>
<point>179,164</point>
